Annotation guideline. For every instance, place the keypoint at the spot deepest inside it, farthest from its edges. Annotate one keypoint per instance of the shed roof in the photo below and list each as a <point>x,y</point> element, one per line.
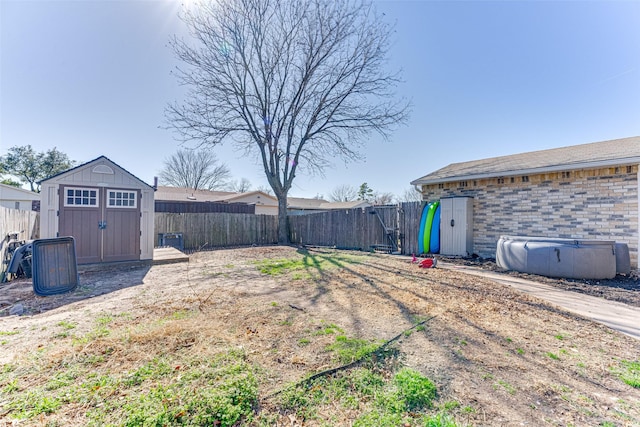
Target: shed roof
<point>96,160</point>
<point>595,154</point>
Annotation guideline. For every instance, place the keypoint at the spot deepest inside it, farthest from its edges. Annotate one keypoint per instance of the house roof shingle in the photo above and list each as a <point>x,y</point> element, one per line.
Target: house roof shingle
<point>613,152</point>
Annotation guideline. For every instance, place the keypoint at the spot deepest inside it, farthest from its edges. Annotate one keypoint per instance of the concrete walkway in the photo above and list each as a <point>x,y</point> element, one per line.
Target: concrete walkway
<point>621,317</point>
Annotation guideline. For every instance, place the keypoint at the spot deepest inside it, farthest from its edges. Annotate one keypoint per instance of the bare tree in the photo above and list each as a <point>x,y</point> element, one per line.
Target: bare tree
<point>241,186</point>
<point>411,195</point>
<point>265,190</point>
<point>197,169</point>
<point>298,83</point>
<point>343,193</point>
<point>379,199</point>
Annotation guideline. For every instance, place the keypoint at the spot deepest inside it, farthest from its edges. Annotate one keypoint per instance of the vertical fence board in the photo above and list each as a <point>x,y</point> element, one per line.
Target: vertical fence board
<point>25,222</point>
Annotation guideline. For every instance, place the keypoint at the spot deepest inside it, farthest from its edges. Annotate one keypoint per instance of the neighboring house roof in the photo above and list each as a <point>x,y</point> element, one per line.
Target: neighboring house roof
<point>180,194</point>
<point>9,192</point>
<point>345,205</point>
<point>301,203</point>
<point>96,160</point>
<point>596,154</point>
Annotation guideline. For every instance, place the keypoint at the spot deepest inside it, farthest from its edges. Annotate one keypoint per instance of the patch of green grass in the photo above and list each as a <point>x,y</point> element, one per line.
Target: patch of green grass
<point>552,355</point>
<point>220,390</point>
<point>274,304</point>
<point>66,325</point>
<point>33,403</point>
<point>11,387</point>
<point>329,329</point>
<point>8,333</point>
<point>420,328</point>
<point>351,349</point>
<point>181,314</point>
<point>153,370</point>
<point>229,266</point>
<point>560,337</point>
<point>519,351</point>
<point>275,267</point>
<point>306,264</point>
<point>509,340</point>
<point>629,372</point>
<point>304,341</point>
<point>508,387</point>
<point>450,405</point>
<point>383,400</point>
<point>417,390</point>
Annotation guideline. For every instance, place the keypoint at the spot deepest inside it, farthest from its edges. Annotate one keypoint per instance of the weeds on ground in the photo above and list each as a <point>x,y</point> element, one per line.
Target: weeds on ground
<point>382,397</point>
<point>629,372</point>
<point>220,391</point>
<point>307,265</point>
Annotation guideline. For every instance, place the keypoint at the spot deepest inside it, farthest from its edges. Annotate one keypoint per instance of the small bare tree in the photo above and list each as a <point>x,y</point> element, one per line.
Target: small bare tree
<point>299,83</point>
<point>199,170</point>
<point>379,199</point>
<point>411,195</point>
<point>240,186</point>
<point>343,193</point>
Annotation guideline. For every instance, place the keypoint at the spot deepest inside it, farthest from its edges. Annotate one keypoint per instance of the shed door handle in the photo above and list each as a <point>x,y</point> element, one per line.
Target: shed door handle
<point>453,222</point>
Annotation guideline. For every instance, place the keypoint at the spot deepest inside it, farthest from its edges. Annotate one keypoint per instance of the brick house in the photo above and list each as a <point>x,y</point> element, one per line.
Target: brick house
<point>587,191</point>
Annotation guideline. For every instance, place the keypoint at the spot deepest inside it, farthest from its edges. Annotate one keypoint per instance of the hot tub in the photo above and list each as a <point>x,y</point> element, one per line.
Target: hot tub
<point>567,258</point>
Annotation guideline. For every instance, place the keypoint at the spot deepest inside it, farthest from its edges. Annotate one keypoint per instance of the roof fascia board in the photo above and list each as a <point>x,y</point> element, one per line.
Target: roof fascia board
<point>558,168</point>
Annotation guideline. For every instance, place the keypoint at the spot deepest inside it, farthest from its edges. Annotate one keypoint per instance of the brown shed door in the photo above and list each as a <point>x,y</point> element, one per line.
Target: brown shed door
<point>105,223</point>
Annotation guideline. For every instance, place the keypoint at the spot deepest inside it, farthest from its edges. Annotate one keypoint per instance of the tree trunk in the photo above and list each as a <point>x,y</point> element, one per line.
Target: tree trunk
<point>283,226</point>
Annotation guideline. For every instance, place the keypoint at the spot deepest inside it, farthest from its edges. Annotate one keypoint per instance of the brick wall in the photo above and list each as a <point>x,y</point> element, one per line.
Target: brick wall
<point>599,204</point>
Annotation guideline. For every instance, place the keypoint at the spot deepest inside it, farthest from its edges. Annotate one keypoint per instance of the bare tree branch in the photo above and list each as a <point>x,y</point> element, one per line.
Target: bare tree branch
<point>199,170</point>
<point>297,83</point>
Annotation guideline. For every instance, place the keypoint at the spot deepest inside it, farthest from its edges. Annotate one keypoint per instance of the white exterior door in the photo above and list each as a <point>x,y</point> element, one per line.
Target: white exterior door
<point>456,226</point>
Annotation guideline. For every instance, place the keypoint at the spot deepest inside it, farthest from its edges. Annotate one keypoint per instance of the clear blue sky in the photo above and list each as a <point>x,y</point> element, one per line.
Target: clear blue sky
<point>486,78</point>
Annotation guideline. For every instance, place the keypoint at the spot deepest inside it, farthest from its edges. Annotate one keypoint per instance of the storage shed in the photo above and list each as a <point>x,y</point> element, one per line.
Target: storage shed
<point>587,191</point>
<point>108,211</point>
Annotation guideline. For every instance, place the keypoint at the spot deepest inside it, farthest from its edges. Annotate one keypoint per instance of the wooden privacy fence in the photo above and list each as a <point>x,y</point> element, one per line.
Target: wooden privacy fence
<point>211,230</point>
<point>25,222</point>
<point>361,229</point>
<point>347,229</point>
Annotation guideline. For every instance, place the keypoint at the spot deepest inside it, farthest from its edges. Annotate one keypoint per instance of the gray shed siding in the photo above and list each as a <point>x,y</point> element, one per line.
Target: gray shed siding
<point>597,203</point>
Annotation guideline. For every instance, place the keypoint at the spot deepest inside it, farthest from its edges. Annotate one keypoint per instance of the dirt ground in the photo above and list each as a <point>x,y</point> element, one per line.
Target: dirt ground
<point>511,358</point>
